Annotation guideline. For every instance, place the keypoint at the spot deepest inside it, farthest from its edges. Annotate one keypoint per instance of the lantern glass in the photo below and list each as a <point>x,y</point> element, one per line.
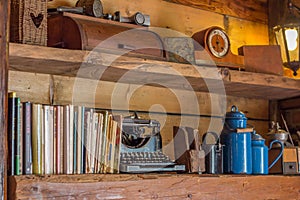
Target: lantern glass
<point>289,48</point>
<point>288,39</point>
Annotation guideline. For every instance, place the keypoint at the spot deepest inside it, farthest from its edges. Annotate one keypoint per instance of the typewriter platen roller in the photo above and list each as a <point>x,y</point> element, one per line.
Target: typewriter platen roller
<point>141,149</point>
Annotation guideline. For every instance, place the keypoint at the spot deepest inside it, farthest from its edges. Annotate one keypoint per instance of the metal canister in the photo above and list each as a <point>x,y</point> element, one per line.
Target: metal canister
<point>237,150</point>
<point>213,154</point>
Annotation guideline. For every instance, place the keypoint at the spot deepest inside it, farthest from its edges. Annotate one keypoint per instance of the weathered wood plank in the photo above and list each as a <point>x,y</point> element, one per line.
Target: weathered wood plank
<point>30,86</point>
<point>289,103</point>
<point>253,10</point>
<point>156,186</point>
<point>152,72</point>
<point>122,96</point>
<point>4,38</point>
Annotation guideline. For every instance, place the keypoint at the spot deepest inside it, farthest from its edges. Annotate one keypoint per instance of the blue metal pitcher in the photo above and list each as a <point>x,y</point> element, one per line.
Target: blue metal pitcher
<point>237,155</point>
<point>237,152</point>
<point>260,154</point>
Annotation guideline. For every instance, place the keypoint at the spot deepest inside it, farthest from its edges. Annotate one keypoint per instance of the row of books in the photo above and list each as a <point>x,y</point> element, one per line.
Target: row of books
<point>61,139</point>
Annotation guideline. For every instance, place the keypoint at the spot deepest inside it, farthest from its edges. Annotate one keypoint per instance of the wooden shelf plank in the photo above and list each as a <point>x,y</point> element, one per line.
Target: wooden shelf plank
<point>154,186</point>
<point>100,65</point>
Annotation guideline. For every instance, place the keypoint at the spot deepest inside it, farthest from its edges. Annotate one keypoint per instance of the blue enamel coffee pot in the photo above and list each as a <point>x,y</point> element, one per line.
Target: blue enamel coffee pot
<point>237,155</point>
<point>260,154</point>
<point>235,119</point>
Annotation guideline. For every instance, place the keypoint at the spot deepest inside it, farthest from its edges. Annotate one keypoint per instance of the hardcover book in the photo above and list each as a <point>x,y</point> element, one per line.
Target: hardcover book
<point>27,143</point>
<point>37,152</point>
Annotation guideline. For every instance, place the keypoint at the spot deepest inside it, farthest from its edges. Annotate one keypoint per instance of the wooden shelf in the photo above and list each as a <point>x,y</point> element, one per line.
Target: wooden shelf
<point>154,186</point>
<point>112,67</point>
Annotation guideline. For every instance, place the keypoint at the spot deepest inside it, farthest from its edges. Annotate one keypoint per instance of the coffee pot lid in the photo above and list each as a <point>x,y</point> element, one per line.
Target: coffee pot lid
<point>235,113</point>
<point>256,136</point>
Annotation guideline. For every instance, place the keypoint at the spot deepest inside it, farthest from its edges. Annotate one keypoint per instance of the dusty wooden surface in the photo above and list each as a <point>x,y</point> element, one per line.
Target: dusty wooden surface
<point>154,186</point>
<point>151,72</point>
<point>254,10</point>
<point>4,19</point>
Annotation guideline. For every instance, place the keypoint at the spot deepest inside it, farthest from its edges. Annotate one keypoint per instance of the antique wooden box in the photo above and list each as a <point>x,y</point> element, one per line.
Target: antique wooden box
<point>74,31</point>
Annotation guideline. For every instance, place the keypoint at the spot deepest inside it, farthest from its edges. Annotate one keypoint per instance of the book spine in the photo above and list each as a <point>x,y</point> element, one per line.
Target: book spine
<point>87,140</point>
<point>119,120</point>
<point>61,140</point>
<point>51,131</point>
<point>54,139</point>
<point>57,145</point>
<point>103,146</point>
<point>42,163</point>
<point>11,132</point>
<point>75,123</point>
<point>108,144</point>
<point>66,140</point>
<point>83,150</point>
<point>113,146</point>
<point>27,147</point>
<point>78,142</point>
<point>71,142</point>
<point>18,137</point>
<point>99,142</point>
<point>36,138</point>
<point>94,123</point>
<point>46,114</point>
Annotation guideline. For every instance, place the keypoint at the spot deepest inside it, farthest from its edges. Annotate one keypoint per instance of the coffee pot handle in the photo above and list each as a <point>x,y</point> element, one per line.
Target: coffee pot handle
<point>279,155</point>
<point>234,108</point>
<point>215,135</point>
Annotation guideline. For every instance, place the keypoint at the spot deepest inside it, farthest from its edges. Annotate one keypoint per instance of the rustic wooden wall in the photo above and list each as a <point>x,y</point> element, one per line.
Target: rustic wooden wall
<point>171,107</point>
<point>4,19</point>
<point>246,24</point>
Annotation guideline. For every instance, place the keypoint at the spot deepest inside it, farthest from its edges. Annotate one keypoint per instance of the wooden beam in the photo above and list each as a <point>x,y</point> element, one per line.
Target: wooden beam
<point>253,10</point>
<point>4,35</point>
<point>154,186</point>
<point>142,70</point>
<point>291,103</point>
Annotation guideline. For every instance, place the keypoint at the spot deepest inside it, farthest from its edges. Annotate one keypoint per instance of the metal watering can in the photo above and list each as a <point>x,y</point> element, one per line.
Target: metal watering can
<point>237,154</point>
<point>260,154</point>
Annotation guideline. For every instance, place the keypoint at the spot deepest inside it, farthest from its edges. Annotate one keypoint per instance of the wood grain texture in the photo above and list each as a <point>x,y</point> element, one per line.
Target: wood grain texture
<point>254,10</point>
<point>186,20</point>
<point>4,38</point>
<point>141,70</point>
<point>155,186</point>
<point>30,87</point>
<point>171,107</point>
<point>123,96</point>
<point>289,103</point>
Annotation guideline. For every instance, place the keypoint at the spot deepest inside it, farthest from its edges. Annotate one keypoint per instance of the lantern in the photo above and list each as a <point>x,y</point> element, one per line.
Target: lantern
<point>287,36</point>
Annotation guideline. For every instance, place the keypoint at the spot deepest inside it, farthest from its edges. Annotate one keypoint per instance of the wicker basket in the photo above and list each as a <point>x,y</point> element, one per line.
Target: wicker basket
<point>28,23</point>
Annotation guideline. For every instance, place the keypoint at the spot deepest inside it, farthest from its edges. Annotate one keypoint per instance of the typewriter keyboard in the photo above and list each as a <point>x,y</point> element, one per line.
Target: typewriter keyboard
<point>140,162</point>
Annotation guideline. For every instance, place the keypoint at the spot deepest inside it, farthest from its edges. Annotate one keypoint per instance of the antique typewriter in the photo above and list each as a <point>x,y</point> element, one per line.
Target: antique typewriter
<point>141,148</point>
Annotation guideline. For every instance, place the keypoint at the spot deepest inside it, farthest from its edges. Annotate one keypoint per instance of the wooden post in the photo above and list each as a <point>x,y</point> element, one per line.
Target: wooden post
<point>4,33</point>
<point>274,111</point>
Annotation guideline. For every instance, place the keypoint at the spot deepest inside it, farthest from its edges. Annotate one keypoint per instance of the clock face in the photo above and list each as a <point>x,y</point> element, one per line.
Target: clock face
<point>218,42</point>
<point>97,9</point>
